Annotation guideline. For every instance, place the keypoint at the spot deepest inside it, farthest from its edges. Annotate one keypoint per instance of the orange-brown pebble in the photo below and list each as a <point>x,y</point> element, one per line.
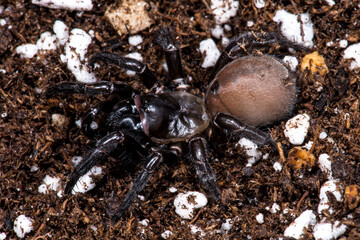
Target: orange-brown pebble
<point>352,196</point>
<point>299,158</point>
<point>129,16</point>
<point>315,63</point>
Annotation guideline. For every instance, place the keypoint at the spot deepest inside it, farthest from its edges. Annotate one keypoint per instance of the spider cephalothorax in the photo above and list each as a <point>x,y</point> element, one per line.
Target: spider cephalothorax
<point>250,91</point>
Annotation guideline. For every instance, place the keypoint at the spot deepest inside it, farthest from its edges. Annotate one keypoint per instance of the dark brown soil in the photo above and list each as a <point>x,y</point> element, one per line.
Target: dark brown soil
<point>28,137</point>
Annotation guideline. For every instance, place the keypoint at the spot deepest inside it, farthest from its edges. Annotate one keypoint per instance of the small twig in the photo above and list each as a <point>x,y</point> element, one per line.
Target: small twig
<point>129,225</point>
<point>206,5</point>
<point>195,218</point>
<point>41,227</point>
<point>316,137</point>
<point>301,200</point>
<point>281,153</point>
<point>63,206</point>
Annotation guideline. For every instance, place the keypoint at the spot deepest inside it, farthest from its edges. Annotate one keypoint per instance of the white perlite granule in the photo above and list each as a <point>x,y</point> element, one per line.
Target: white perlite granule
<point>296,128</point>
<point>22,226</point>
<point>186,203</point>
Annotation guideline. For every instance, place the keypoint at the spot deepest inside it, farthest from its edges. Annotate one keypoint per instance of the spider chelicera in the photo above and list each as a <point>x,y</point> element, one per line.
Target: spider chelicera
<point>245,92</point>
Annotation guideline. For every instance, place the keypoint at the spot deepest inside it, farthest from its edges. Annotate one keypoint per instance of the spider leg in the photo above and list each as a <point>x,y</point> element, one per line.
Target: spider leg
<point>153,161</point>
<point>203,169</point>
<point>101,87</point>
<point>112,115</point>
<point>148,78</point>
<point>235,126</point>
<point>87,124</point>
<point>106,146</point>
<point>250,41</point>
<point>166,41</point>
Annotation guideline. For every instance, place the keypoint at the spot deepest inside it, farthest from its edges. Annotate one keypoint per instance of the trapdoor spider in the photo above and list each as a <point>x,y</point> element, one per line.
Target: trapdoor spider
<point>247,92</point>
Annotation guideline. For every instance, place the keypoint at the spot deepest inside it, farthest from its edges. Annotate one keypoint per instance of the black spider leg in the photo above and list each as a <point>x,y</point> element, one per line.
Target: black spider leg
<point>166,41</point>
<point>152,163</point>
<point>200,161</point>
<point>113,144</point>
<point>103,148</point>
<point>90,89</point>
<point>89,126</point>
<point>236,127</point>
<point>148,78</point>
<point>250,41</point>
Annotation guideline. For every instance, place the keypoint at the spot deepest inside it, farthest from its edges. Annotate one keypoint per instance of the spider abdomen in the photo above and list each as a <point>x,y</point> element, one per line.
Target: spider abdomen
<point>258,90</point>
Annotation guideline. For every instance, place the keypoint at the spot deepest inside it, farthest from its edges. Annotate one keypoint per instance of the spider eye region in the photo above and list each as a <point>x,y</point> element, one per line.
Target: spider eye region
<point>259,90</point>
<point>172,117</point>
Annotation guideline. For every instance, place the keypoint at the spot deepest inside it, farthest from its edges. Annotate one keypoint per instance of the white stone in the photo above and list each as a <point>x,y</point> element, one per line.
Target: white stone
<point>330,2</point>
<point>144,222</point>
<point>259,3</point>
<point>308,145</point>
<point>217,32</point>
<point>277,166</point>
<point>94,125</point>
<point>50,183</point>
<point>325,164</point>
<point>226,226</point>
<point>27,50</point>
<point>223,10</point>
<point>328,231</point>
<point>323,135</point>
<point>329,44</point>
<point>94,228</point>
<point>343,43</point>
<point>332,186</point>
<point>135,40</point>
<point>80,5</point>
<point>61,31</point>
<point>291,27</point>
<point>211,52</point>
<point>250,23</point>
<point>297,227</point>
<point>47,41</point>
<point>2,236</point>
<point>167,234</point>
<point>75,50</point>
<point>86,182</point>
<point>275,208</point>
<point>260,218</point>
<point>43,189</point>
<point>227,27</point>
<point>251,149</point>
<point>58,119</point>
<point>22,226</point>
<point>296,128</point>
<point>197,230</point>
<point>172,189</point>
<point>76,160</point>
<point>186,203</point>
<point>291,61</point>
<point>34,168</point>
<point>2,22</point>
<point>225,41</point>
<point>353,52</point>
